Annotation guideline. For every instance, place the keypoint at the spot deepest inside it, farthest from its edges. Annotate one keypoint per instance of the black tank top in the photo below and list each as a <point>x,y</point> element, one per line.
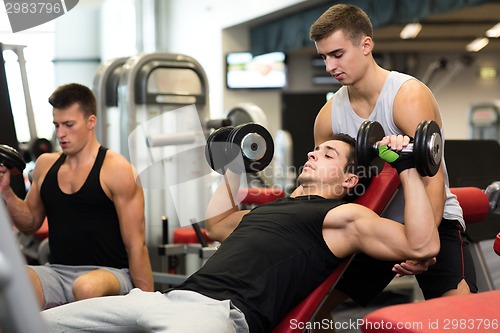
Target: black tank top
<point>274,258</point>
<point>83,226</point>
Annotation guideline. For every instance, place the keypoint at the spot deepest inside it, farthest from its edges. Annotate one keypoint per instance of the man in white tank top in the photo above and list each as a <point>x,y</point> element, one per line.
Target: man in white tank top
<point>343,38</point>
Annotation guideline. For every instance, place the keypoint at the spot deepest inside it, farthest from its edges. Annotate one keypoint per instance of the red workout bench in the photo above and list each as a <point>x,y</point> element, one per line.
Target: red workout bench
<point>465,313</point>
<point>378,194</point>
<point>475,313</point>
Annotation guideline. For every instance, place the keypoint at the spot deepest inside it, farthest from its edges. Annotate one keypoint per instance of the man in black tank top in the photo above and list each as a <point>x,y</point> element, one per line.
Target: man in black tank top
<point>94,209</point>
<point>271,257</point>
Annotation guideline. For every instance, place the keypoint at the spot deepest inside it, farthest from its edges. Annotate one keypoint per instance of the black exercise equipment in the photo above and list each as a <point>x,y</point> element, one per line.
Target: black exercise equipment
<point>12,159</point>
<point>250,141</point>
<point>369,133</point>
<point>426,148</point>
<point>215,149</point>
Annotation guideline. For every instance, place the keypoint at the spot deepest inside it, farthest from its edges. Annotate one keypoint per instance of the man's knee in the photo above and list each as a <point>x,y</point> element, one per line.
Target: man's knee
<point>95,283</point>
<point>37,286</point>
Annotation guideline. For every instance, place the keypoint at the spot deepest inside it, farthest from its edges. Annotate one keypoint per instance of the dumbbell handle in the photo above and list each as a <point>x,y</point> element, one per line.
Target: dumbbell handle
<point>407,149</point>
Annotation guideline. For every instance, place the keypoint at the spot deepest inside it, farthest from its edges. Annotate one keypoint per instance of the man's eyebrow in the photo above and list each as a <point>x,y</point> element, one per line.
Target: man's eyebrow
<point>332,52</point>
<point>340,49</point>
<point>330,148</point>
<point>62,122</point>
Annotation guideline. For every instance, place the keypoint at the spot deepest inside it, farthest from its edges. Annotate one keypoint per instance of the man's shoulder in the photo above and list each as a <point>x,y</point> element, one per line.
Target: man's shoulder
<point>115,158</point>
<point>406,81</point>
<point>116,169</point>
<point>401,76</point>
<point>45,161</point>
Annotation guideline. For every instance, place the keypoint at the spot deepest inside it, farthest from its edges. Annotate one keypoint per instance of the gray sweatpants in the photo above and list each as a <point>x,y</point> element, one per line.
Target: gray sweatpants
<point>177,311</point>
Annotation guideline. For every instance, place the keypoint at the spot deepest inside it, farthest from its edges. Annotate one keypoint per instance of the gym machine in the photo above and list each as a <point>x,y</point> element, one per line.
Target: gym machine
<point>8,135</point>
<point>484,121</point>
<point>152,108</point>
<point>163,136</point>
<point>105,88</point>
<point>19,51</point>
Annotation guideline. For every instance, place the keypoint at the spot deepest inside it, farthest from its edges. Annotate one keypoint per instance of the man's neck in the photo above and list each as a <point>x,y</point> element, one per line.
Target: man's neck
<point>363,94</point>
<point>87,154</point>
<point>305,190</point>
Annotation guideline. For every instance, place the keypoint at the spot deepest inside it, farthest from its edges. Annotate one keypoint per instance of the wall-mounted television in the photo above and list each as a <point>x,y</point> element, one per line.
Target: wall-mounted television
<point>243,70</point>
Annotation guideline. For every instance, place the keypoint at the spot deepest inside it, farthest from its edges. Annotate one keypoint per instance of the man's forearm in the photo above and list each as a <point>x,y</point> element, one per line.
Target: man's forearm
<point>19,212</point>
<point>140,270</point>
<point>224,200</point>
<point>436,191</point>
<point>420,225</point>
<point>223,212</point>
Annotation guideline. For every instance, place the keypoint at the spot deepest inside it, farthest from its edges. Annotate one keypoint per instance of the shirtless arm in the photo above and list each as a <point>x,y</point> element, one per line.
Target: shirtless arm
<point>364,231</point>
<point>128,199</point>
<point>27,215</point>
<point>223,214</point>
<point>323,124</point>
<point>414,103</point>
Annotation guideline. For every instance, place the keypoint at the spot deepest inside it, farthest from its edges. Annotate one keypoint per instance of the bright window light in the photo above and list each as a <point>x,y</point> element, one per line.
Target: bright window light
<point>411,30</point>
<point>477,44</point>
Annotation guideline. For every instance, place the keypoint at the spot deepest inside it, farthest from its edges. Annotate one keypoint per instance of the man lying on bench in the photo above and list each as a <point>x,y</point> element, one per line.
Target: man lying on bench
<point>275,256</point>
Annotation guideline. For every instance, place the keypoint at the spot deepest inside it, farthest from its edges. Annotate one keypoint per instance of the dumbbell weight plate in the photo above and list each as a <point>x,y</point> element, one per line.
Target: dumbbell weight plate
<point>369,133</point>
<point>216,149</point>
<point>427,148</point>
<point>251,148</point>
<point>12,159</point>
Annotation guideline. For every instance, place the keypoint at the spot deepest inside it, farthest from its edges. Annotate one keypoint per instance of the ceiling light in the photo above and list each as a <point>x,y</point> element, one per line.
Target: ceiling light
<point>410,31</point>
<point>494,32</point>
<point>488,72</point>
<point>477,44</point>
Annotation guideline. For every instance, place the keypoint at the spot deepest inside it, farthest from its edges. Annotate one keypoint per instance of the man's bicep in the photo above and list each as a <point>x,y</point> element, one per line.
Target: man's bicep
<point>381,238</point>
<point>220,230</point>
<point>130,210</point>
<point>412,104</point>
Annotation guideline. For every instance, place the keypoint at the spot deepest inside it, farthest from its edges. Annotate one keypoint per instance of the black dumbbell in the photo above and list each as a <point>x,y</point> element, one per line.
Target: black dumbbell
<point>244,148</point>
<point>426,148</point>
<point>12,159</point>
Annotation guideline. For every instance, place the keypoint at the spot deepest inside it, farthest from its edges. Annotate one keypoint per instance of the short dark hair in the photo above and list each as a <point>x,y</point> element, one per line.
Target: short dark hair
<point>352,161</point>
<point>352,166</point>
<point>352,20</point>
<point>69,94</point>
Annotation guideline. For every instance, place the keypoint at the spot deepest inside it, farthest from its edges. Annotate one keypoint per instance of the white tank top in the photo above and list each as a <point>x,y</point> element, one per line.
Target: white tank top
<point>345,120</point>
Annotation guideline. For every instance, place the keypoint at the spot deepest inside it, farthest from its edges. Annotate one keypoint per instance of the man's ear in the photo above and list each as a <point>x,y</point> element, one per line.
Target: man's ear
<point>367,44</point>
<point>350,181</point>
<point>91,121</point>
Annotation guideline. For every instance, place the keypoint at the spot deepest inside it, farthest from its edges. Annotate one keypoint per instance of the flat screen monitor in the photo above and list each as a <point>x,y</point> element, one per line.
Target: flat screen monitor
<point>246,71</point>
